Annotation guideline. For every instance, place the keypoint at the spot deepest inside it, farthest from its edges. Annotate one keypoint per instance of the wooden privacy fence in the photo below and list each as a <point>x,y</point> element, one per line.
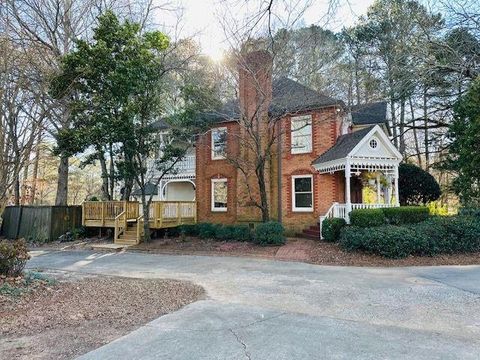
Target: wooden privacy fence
<point>40,223</point>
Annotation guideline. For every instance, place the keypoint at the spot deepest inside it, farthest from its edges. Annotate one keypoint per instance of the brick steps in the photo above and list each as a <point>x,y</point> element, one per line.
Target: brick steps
<point>313,232</point>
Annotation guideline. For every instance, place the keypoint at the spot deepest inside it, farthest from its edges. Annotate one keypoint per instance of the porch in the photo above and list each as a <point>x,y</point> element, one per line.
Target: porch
<point>126,217</point>
<point>367,151</point>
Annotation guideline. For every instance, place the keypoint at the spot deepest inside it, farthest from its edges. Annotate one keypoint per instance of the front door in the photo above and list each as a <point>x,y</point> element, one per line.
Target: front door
<point>356,187</point>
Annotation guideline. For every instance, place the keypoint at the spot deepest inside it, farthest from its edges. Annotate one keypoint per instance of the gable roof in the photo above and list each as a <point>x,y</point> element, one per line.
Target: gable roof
<point>344,145</point>
<point>160,124</point>
<point>150,189</point>
<point>366,114</point>
<point>290,96</point>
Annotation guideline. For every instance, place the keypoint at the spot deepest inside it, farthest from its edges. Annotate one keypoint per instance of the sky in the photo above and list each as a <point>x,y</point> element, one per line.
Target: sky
<point>202,18</point>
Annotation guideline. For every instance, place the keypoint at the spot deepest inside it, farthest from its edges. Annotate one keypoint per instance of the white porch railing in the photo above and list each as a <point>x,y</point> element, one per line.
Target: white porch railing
<point>338,210</point>
<point>187,164</point>
<point>371,206</point>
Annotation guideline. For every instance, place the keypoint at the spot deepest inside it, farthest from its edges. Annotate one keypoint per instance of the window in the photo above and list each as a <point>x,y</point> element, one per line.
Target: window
<point>373,143</point>
<point>302,193</point>
<point>301,127</point>
<point>219,194</point>
<point>219,143</point>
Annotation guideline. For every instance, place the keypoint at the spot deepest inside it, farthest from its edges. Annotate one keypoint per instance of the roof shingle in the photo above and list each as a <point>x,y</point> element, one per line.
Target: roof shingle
<point>343,146</point>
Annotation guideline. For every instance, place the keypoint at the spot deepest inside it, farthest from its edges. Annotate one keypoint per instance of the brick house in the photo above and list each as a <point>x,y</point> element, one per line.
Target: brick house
<point>324,155</point>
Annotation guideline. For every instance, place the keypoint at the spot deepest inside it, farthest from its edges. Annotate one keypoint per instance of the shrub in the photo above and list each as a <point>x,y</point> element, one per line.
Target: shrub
<point>416,186</point>
<point>270,233</point>
<point>437,235</point>
<point>469,211</point>
<point>331,229</point>
<point>241,233</point>
<point>189,230</point>
<point>13,257</point>
<point>224,232</point>
<point>367,217</point>
<point>207,230</point>
<point>406,214</point>
<point>388,241</point>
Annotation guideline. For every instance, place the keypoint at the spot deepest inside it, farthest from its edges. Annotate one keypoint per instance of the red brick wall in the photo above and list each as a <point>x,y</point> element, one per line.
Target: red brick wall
<point>326,188</point>
<point>207,169</point>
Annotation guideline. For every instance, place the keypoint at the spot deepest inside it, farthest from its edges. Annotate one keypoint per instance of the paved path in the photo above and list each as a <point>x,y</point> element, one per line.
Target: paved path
<point>261,309</point>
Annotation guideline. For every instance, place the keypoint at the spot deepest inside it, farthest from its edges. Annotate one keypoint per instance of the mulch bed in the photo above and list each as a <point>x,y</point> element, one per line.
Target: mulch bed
<point>318,252</point>
<point>76,314</point>
<point>310,251</point>
<point>324,253</point>
<point>196,246</point>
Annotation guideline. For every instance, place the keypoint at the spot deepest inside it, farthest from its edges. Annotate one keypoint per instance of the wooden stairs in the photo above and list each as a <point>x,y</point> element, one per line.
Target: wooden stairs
<point>129,236</point>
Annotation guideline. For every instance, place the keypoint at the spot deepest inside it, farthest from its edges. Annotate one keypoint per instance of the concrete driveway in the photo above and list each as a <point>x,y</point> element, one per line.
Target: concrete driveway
<point>260,309</point>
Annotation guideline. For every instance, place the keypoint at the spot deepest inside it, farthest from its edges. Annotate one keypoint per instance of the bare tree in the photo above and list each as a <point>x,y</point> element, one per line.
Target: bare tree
<point>47,30</point>
<point>20,118</point>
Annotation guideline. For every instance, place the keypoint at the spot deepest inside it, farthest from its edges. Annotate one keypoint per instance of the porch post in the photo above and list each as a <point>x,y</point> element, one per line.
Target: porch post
<point>389,190</point>
<point>378,188</point>
<point>397,200</point>
<point>348,203</point>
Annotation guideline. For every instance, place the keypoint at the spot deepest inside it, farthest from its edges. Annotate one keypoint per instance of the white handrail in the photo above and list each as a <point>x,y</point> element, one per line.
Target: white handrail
<point>340,211</point>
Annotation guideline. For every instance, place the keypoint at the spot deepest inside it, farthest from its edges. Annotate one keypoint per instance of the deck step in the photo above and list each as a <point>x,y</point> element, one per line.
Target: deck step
<point>125,243</point>
<point>128,237</point>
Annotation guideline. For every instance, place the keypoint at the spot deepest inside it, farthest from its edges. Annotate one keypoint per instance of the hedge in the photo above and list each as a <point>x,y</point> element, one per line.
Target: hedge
<point>394,216</point>
<point>438,235</point>
<point>367,217</point>
<point>270,233</point>
<point>217,231</point>
<point>331,228</point>
<point>406,214</point>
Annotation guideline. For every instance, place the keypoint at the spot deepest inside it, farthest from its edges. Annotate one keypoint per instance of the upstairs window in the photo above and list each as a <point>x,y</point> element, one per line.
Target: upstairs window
<point>219,194</point>
<point>301,137</point>
<point>302,193</point>
<point>219,143</point>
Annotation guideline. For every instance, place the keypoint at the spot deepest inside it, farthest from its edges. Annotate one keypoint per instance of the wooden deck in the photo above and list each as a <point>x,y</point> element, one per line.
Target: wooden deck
<point>127,219</point>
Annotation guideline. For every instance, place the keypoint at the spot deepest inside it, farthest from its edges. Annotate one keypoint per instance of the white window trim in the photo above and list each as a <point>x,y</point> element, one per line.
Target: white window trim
<point>212,199</point>
<point>302,209</point>
<point>213,156</point>
<point>294,150</point>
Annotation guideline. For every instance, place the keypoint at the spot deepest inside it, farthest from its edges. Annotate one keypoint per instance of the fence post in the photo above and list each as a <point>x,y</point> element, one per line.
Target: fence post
<point>103,213</point>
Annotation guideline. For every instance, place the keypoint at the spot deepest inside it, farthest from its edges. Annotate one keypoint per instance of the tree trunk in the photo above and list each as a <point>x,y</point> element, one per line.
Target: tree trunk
<point>146,217</point>
<point>103,167</point>
<point>357,82</point>
<point>35,169</point>
<point>62,182</point>
<point>425,125</point>
<point>402,127</point>
<point>23,194</point>
<point>16,191</point>
<point>415,133</point>
<point>112,172</point>
<point>394,123</point>
<point>263,192</point>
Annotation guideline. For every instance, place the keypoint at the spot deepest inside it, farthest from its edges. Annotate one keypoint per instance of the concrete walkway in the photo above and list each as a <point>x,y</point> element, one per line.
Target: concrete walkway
<point>261,309</point>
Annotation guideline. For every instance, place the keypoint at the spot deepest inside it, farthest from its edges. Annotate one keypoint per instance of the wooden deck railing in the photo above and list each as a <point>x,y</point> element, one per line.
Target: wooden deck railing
<point>117,214</point>
<point>103,213</point>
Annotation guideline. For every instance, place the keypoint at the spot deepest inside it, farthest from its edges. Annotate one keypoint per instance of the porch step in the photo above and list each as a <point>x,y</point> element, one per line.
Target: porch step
<point>125,243</point>
<point>128,236</point>
<point>309,236</point>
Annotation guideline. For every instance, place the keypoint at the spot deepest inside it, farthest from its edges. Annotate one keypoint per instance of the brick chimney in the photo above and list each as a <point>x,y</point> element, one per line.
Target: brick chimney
<point>255,84</point>
<point>255,96</point>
